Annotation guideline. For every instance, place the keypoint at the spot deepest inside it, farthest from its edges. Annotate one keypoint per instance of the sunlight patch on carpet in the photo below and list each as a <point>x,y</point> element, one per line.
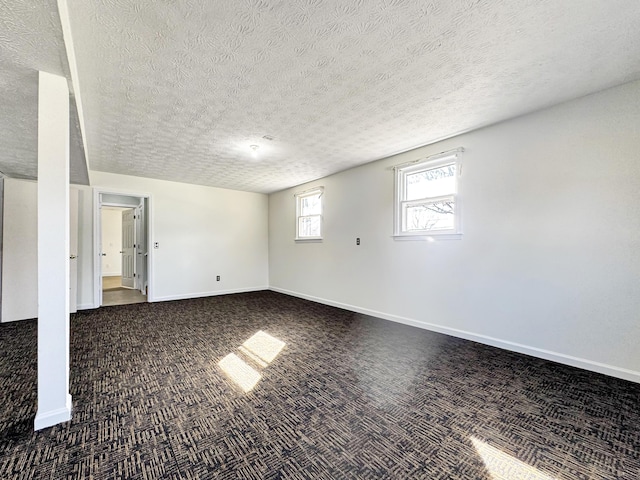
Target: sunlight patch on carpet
<point>503,466</point>
<point>239,372</point>
<point>264,346</point>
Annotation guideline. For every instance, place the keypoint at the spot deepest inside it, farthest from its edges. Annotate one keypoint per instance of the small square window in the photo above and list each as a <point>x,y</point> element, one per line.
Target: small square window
<point>427,197</point>
<point>309,214</point>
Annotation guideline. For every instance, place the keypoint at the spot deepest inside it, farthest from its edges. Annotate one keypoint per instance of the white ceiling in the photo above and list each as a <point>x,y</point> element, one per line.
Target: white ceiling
<point>178,90</point>
<point>31,40</point>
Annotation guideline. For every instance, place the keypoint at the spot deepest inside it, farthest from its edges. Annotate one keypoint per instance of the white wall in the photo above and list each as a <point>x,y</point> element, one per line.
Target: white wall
<point>111,241</point>
<point>85,246</point>
<point>20,250</point>
<point>202,232</point>
<point>550,258</point>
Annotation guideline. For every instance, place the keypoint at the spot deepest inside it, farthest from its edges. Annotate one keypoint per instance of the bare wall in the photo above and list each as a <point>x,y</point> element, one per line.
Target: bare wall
<point>202,232</point>
<point>550,258</point>
<point>20,250</point>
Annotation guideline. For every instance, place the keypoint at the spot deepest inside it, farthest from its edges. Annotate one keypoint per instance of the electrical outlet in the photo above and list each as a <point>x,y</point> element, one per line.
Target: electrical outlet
<point>156,245</point>
<point>358,241</point>
<point>217,278</point>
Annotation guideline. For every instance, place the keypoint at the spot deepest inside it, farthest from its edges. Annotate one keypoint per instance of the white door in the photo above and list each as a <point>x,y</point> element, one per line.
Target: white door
<point>141,250</point>
<point>73,250</point>
<point>128,248</point>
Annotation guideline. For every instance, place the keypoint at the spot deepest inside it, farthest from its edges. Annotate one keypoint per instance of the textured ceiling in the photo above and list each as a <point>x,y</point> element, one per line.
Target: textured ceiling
<point>30,40</point>
<point>179,89</point>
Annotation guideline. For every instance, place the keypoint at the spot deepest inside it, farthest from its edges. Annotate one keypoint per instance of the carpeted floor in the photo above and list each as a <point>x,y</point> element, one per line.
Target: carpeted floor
<point>262,385</point>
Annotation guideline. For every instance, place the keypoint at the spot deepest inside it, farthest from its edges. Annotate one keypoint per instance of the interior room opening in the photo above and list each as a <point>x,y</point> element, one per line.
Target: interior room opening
<point>123,250</point>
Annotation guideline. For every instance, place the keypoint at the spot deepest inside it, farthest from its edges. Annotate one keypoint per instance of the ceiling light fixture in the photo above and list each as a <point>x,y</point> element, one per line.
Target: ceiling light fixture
<point>254,150</point>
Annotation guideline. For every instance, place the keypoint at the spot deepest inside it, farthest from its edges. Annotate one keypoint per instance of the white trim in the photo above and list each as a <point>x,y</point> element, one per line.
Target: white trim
<point>65,22</point>
<point>428,163</point>
<point>186,296</point>
<point>121,191</point>
<point>17,320</point>
<point>613,371</point>
<point>308,193</point>
<point>1,236</point>
<point>432,158</point>
<point>428,238</point>
<point>86,306</point>
<point>97,238</point>
<point>53,417</point>
<point>305,192</point>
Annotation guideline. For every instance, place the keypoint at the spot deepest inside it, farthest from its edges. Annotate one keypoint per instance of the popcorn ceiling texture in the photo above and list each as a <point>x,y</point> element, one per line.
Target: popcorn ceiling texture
<point>31,36</point>
<point>30,40</point>
<point>18,121</point>
<point>179,90</point>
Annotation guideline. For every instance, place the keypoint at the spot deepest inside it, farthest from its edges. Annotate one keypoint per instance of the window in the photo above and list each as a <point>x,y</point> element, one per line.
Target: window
<point>309,214</point>
<point>427,202</point>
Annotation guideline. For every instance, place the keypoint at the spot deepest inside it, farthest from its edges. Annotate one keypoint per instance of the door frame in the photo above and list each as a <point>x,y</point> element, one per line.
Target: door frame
<point>1,236</point>
<point>74,216</point>
<point>140,219</point>
<point>97,238</point>
<point>124,246</point>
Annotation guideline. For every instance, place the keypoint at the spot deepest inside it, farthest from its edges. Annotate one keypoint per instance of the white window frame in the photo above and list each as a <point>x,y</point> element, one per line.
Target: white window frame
<point>299,196</point>
<point>435,161</point>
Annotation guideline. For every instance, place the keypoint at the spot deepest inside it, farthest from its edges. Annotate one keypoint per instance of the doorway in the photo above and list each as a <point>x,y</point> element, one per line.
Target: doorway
<point>122,264</point>
<point>118,257</point>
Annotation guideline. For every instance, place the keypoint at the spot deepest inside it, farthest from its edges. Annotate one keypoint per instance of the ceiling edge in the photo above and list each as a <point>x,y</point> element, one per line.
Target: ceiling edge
<point>63,11</point>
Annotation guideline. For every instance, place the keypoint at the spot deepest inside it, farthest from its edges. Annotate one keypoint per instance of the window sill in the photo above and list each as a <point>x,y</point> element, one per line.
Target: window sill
<point>308,240</point>
<point>429,238</point>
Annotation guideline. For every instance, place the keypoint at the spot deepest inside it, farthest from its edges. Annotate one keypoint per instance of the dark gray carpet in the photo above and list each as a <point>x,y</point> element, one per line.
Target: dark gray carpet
<point>348,396</point>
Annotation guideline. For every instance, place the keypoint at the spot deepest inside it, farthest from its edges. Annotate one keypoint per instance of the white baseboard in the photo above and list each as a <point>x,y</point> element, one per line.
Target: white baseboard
<point>208,294</point>
<point>53,417</point>
<point>583,363</point>
<point>17,319</point>
<point>85,306</point>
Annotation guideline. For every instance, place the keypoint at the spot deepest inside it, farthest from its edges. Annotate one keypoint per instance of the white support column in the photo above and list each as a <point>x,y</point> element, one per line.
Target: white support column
<point>54,401</point>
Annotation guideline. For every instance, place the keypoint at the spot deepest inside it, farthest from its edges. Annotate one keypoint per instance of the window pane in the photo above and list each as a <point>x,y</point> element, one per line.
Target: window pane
<point>309,226</point>
<point>434,182</point>
<point>429,216</point>
<point>310,205</point>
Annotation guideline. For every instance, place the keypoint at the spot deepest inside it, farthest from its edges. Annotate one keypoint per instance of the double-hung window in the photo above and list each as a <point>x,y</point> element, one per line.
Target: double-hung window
<point>309,214</point>
<point>427,197</point>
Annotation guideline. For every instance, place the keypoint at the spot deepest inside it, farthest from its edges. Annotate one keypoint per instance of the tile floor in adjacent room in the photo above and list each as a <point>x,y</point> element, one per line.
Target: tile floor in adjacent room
<point>113,293</point>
